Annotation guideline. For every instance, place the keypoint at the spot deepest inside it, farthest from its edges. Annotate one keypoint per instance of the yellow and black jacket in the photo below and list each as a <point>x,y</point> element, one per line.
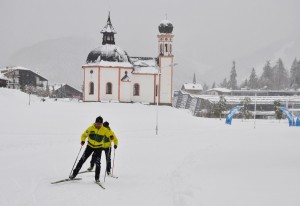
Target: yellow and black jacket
<point>112,138</point>
<point>96,137</point>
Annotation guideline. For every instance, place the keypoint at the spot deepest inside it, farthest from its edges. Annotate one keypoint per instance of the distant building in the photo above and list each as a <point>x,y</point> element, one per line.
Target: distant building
<point>3,80</point>
<point>23,78</point>
<point>192,88</point>
<point>261,101</point>
<point>110,74</point>
<point>64,91</point>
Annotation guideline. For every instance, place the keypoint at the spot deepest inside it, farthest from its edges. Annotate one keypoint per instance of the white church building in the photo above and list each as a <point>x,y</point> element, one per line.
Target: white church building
<point>110,74</point>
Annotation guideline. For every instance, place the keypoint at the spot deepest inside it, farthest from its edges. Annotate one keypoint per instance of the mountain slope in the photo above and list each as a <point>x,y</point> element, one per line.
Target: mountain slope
<point>58,60</point>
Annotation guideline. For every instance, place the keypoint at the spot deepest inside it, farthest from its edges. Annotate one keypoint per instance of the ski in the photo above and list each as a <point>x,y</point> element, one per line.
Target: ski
<point>98,183</point>
<point>65,180</point>
<point>85,171</point>
<point>113,176</point>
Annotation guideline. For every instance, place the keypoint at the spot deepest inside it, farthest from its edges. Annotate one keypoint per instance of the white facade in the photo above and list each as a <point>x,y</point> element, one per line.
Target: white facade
<point>111,75</point>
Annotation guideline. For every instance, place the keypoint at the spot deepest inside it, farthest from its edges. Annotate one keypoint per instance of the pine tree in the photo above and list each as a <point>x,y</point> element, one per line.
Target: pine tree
<point>253,80</point>
<point>205,87</point>
<point>280,76</point>
<point>278,112</point>
<point>245,84</point>
<point>295,75</point>
<point>224,84</point>
<point>219,107</point>
<point>213,85</point>
<point>266,79</point>
<point>244,111</point>
<point>232,83</point>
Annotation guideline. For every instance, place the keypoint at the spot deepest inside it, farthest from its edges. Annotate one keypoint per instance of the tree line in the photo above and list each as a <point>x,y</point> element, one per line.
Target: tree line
<point>273,77</point>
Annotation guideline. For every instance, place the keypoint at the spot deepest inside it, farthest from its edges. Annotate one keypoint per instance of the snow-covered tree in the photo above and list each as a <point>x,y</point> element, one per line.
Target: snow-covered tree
<point>224,84</point>
<point>280,76</point>
<point>278,112</point>
<point>244,84</point>
<point>253,80</point>
<point>219,107</point>
<point>232,83</point>
<point>244,111</point>
<point>295,75</point>
<point>213,85</point>
<point>205,87</point>
<point>267,77</point>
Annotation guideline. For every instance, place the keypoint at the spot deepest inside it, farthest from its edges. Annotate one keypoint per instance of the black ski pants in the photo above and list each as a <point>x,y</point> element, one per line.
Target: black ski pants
<point>108,159</point>
<point>88,151</point>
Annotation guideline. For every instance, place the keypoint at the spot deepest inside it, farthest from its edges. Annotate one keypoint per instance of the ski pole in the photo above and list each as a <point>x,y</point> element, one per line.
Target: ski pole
<point>113,167</point>
<point>107,156</point>
<point>76,160</point>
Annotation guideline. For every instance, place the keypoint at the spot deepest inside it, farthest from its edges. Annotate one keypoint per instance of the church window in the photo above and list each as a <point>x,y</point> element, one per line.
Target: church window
<point>161,49</point>
<point>136,90</point>
<point>91,88</point>
<point>170,48</point>
<point>166,45</point>
<point>108,88</point>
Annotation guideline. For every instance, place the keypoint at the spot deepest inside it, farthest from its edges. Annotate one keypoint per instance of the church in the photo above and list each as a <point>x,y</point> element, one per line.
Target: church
<point>111,75</point>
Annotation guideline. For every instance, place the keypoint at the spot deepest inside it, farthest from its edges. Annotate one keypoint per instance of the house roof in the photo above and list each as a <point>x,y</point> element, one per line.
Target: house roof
<point>223,90</point>
<point>14,68</point>
<point>191,86</point>
<point>3,77</point>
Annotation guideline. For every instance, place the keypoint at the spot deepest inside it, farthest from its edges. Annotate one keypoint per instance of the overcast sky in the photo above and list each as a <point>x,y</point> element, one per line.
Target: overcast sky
<point>207,33</point>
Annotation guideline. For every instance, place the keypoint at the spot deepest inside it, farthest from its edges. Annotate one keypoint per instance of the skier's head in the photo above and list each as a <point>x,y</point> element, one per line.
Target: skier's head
<point>99,120</point>
<point>106,124</point>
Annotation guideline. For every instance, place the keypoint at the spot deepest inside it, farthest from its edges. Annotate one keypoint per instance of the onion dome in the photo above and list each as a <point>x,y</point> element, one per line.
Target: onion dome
<point>165,27</point>
<point>107,52</point>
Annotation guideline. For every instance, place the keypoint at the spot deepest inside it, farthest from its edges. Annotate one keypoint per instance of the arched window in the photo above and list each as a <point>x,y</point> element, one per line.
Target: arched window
<point>108,88</point>
<point>91,88</point>
<point>170,48</point>
<point>166,45</point>
<point>136,90</point>
<point>161,49</point>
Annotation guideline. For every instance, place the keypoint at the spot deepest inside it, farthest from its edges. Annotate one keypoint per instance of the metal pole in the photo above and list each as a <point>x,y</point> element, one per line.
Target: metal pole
<point>157,88</point>
<point>255,111</point>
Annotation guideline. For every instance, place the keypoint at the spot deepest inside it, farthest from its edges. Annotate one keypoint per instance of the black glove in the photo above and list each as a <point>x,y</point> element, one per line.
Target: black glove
<point>115,146</point>
<point>82,142</point>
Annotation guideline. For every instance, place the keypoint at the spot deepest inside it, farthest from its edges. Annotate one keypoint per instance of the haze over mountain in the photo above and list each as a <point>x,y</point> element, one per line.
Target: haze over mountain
<point>60,61</point>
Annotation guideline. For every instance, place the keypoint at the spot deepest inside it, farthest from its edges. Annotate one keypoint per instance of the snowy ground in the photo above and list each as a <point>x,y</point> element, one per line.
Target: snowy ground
<point>192,161</point>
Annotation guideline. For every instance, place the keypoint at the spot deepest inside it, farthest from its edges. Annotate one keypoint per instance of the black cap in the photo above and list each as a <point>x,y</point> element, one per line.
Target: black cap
<point>106,124</point>
<point>99,120</point>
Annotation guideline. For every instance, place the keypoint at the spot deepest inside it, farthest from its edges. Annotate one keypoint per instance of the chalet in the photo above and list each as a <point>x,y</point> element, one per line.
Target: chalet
<point>64,91</point>
<point>23,78</point>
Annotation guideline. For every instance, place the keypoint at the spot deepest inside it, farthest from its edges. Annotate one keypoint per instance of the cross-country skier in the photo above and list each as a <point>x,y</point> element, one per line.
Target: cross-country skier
<point>107,149</point>
<point>96,134</point>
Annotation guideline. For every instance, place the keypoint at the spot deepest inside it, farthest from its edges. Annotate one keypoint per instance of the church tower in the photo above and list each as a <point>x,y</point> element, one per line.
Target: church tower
<point>108,33</point>
<point>166,62</point>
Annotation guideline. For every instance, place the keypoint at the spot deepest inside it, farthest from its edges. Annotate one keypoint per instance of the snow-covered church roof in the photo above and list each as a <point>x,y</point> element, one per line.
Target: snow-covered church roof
<point>109,53</point>
<point>165,27</point>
